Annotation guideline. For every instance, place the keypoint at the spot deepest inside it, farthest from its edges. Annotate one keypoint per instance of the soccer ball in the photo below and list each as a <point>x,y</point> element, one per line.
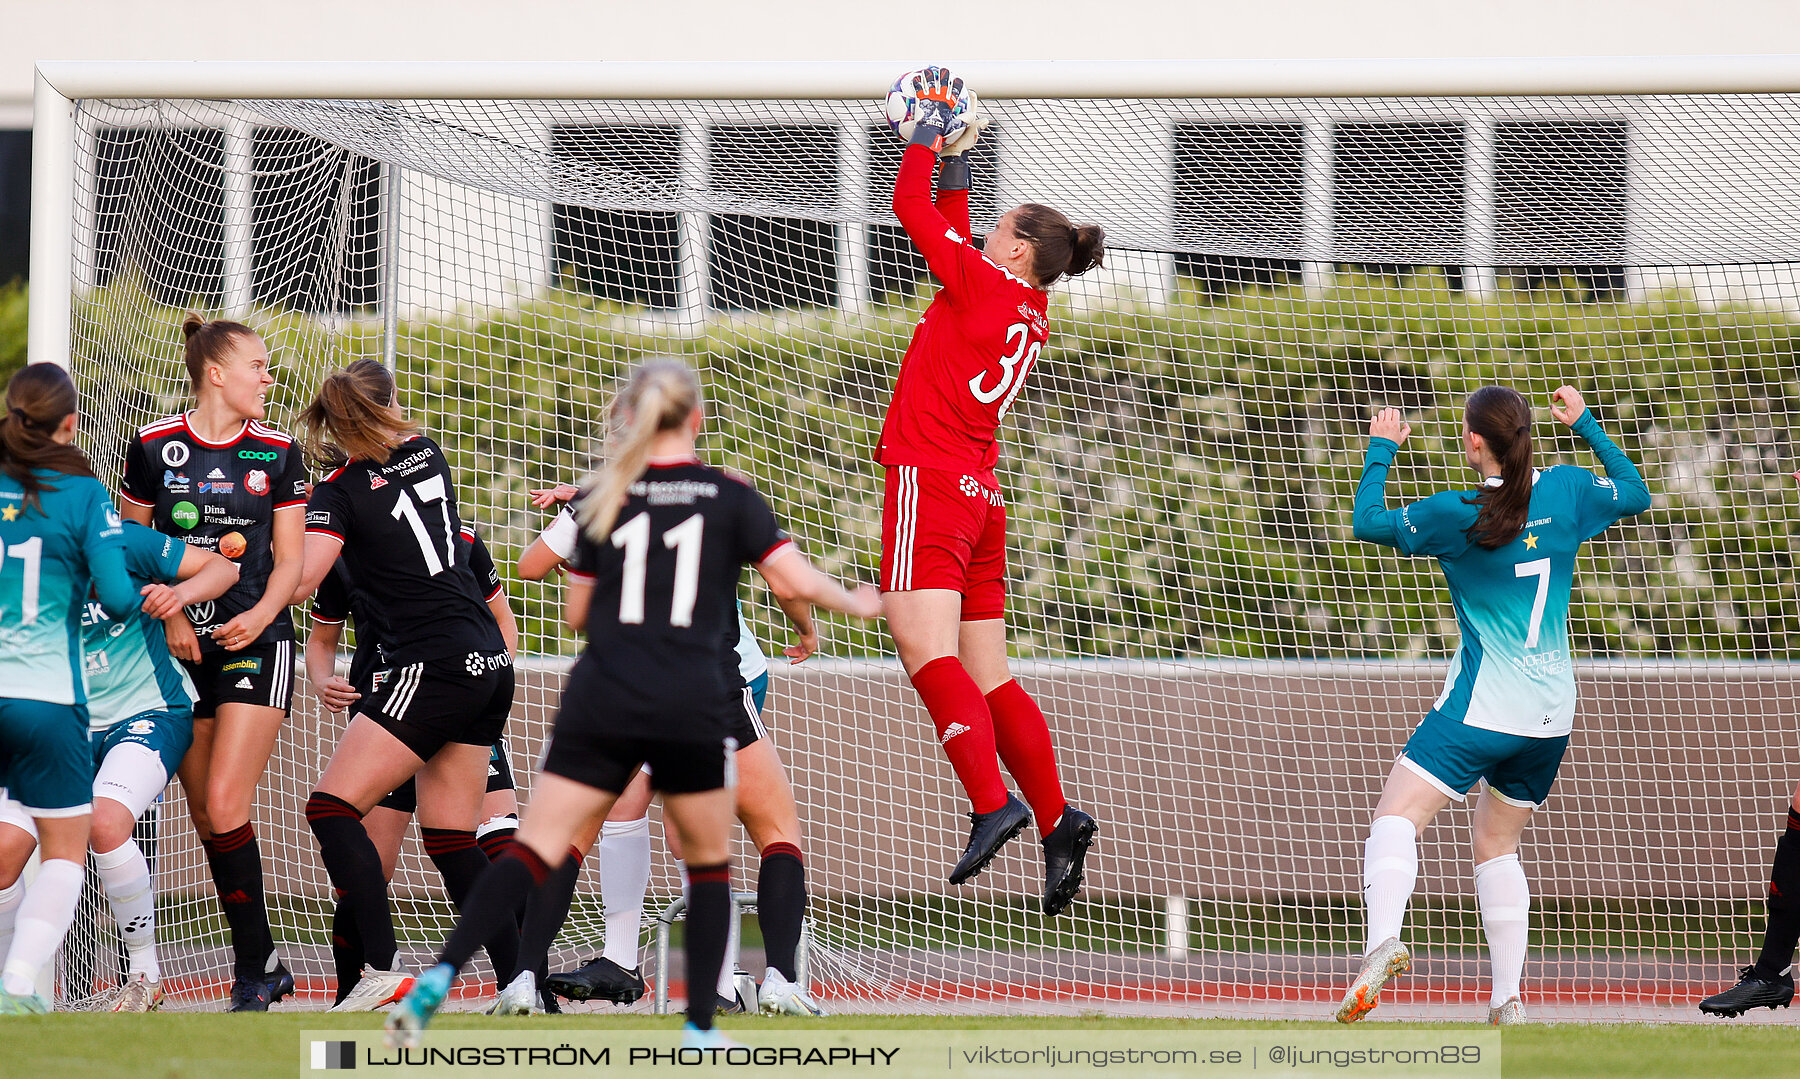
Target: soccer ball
<point>901,105</point>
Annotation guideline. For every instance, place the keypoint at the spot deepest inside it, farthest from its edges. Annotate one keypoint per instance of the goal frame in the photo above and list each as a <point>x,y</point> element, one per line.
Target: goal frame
<point>60,83</point>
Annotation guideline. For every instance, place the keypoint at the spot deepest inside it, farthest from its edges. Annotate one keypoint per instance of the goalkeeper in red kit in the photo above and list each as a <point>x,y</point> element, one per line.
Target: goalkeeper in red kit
<point>943,522</point>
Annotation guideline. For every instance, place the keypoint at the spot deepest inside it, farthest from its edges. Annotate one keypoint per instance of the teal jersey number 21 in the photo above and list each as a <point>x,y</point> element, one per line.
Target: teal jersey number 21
<point>1512,671</point>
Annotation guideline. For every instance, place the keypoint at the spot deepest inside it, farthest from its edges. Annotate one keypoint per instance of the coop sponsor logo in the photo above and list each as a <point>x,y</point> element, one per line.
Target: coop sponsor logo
<point>256,455</point>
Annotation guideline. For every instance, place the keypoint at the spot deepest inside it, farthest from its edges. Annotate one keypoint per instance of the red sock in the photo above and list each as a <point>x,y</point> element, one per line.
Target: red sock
<point>965,729</point>
<point>1023,739</point>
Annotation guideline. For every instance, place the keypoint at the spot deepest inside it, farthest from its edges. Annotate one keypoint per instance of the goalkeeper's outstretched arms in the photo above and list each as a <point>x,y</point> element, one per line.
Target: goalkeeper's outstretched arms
<point>940,229</point>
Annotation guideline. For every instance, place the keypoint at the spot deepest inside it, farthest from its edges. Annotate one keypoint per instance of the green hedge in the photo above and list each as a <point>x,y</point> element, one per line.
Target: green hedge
<point>1179,476</point>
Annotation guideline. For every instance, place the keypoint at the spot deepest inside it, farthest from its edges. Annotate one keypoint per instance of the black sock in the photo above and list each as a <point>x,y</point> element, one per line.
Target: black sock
<point>781,905</point>
<point>459,859</point>
<point>355,869</point>
<point>1784,903</point>
<point>236,864</point>
<point>346,950</point>
<point>545,913</point>
<point>491,903</point>
<point>708,929</point>
<point>496,835</point>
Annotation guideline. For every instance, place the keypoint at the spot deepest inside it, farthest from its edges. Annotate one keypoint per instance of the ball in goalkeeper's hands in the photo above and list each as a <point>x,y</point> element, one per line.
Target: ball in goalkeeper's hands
<point>902,107</point>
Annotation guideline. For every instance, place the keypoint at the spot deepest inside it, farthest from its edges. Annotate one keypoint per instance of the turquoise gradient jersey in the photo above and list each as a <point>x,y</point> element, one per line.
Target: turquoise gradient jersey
<point>129,669</point>
<point>1511,672</point>
<point>49,557</point>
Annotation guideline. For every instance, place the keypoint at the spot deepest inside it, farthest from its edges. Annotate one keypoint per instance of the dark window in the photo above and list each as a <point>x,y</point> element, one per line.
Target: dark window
<point>1397,197</point>
<point>159,210</point>
<point>629,256</point>
<point>1559,204</point>
<point>760,263</point>
<point>895,266</point>
<point>315,223</point>
<point>15,205</point>
<point>1239,186</point>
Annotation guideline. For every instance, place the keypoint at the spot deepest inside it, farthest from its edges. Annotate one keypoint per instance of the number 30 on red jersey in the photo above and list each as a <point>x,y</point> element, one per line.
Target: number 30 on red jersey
<point>1013,369</point>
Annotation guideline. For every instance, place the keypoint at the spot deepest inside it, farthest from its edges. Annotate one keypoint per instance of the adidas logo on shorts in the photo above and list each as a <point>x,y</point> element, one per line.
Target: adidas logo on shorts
<point>245,683</point>
<point>952,731</point>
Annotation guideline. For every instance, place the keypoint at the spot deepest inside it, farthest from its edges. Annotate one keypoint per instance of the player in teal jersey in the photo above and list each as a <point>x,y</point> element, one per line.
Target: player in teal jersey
<point>59,536</point>
<point>1507,549</point>
<point>140,723</point>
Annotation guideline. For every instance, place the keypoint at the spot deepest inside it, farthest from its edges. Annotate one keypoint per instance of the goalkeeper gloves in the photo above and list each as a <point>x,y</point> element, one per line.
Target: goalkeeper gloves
<point>935,97</point>
<point>953,160</point>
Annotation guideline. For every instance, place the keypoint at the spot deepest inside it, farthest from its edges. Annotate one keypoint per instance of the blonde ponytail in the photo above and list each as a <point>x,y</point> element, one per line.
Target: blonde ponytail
<point>660,397</point>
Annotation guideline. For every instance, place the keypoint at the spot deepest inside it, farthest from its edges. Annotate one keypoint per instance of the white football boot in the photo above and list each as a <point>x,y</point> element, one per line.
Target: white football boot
<point>520,997</point>
<point>377,990</point>
<point>778,996</point>
<point>1389,958</point>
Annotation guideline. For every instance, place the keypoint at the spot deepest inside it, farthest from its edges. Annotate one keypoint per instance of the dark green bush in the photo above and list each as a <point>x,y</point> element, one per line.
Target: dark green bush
<point>1179,476</point>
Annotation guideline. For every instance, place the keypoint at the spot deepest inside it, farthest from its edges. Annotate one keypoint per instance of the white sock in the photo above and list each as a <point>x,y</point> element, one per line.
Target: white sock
<point>728,969</point>
<point>10,898</point>
<point>624,877</point>
<point>125,876</point>
<point>1390,869</point>
<point>43,920</point>
<point>1505,899</point>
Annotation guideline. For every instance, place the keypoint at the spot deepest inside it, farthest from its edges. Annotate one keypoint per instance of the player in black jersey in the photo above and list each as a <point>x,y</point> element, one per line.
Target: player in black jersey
<point>654,581</point>
<point>338,600</point>
<point>765,805</point>
<point>219,479</point>
<point>443,682</point>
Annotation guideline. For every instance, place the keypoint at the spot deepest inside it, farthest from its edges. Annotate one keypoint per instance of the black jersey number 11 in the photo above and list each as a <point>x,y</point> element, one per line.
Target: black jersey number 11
<point>429,491</point>
<point>685,538</point>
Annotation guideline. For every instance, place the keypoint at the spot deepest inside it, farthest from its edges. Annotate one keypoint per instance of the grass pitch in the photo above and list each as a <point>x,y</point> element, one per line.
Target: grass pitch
<point>214,1046</point>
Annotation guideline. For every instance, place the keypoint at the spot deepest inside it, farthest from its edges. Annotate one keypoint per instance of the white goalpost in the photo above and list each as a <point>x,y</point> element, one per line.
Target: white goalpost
<point>1227,673</point>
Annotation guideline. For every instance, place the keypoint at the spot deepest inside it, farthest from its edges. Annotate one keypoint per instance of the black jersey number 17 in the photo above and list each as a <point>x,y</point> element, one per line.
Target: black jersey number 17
<point>633,537</point>
<point>428,491</point>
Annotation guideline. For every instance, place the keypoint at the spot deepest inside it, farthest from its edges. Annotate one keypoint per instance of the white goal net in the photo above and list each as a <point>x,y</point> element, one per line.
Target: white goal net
<point>1227,673</point>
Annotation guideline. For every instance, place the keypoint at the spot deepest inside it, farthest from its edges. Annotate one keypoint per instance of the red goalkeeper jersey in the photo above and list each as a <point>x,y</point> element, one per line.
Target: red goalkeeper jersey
<point>972,351</point>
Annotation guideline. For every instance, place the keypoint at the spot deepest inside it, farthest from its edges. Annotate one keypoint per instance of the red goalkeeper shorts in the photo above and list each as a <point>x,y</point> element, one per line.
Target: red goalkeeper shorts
<point>944,529</point>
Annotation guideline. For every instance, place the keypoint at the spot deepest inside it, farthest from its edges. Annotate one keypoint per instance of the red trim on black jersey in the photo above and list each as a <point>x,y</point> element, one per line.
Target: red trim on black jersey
<point>584,578</point>
<point>135,502</point>
<point>158,428</point>
<point>317,617</point>
<point>290,505</point>
<point>499,588</point>
<point>468,533</point>
<point>259,429</point>
<point>335,473</point>
<point>771,551</point>
<point>683,463</point>
<point>325,532</point>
